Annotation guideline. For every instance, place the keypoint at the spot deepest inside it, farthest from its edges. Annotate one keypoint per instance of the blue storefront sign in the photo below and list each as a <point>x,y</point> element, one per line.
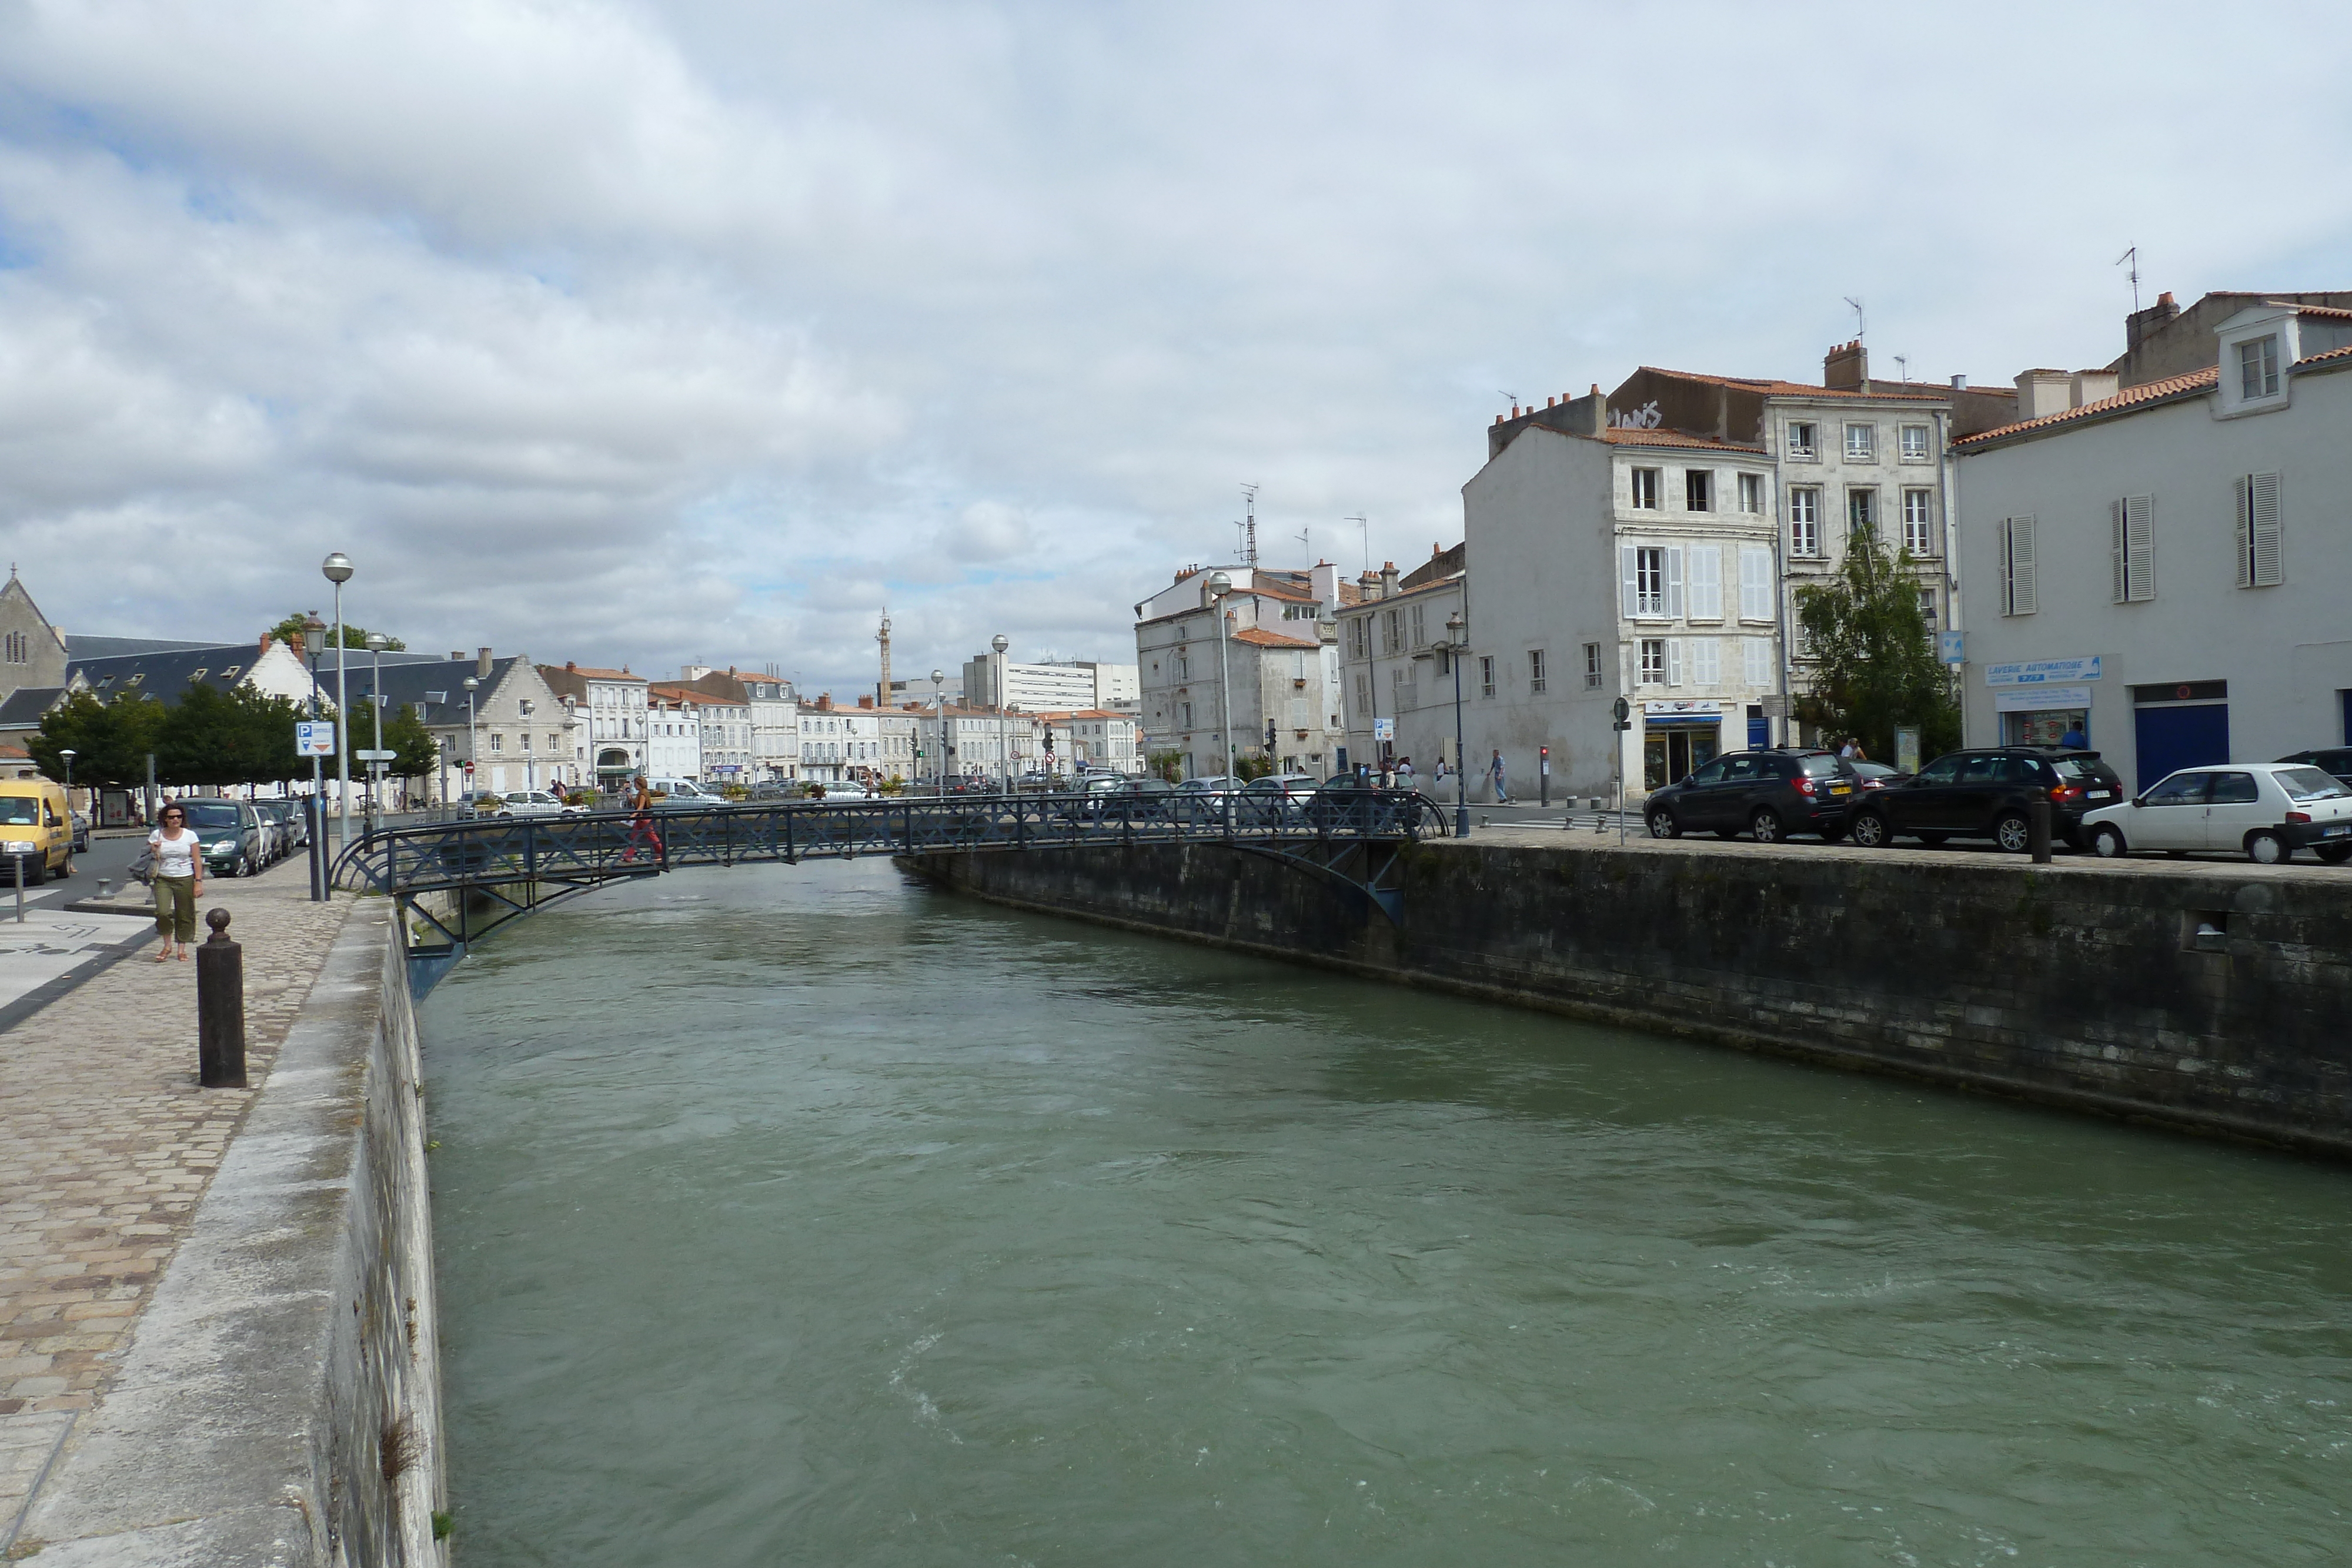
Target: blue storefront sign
<point>2043,672</point>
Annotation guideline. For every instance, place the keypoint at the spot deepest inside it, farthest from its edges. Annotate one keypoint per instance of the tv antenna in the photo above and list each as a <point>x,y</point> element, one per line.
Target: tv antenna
<point>1903,368</point>
<point>1249,528</point>
<point>1364,522</point>
<point>2132,255</point>
<point>1861,322</point>
<point>1306,541</point>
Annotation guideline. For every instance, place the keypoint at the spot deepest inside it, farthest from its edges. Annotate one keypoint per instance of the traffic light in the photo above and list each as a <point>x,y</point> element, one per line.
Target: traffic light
<point>1269,736</point>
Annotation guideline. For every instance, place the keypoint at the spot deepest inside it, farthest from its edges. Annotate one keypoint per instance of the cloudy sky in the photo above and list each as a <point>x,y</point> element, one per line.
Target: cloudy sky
<point>644,334</point>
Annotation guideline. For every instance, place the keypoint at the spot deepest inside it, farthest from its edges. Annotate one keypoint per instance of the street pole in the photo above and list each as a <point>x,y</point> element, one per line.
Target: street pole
<point>996,674</point>
<point>1221,585</point>
<point>474,740</point>
<point>376,640</point>
<point>337,569</point>
<point>939,717</point>
<point>1456,626</point>
<point>314,813</point>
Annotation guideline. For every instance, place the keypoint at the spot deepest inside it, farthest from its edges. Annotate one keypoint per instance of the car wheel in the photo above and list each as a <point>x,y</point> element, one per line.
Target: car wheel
<point>2333,854</point>
<point>2268,849</point>
<point>244,866</point>
<point>1869,832</point>
<point>2013,834</point>
<point>1766,827</point>
<point>2107,842</point>
<point>1664,826</point>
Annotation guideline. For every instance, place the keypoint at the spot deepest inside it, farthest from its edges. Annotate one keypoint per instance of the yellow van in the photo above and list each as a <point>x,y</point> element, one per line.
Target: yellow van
<point>33,815</point>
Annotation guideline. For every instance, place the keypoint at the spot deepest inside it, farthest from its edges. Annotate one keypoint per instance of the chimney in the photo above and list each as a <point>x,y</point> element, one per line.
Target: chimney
<point>1388,580</point>
<point>2092,386</point>
<point>265,644</point>
<point>1369,585</point>
<point>482,665</point>
<point>865,702</point>
<point>573,664</point>
<point>457,654</point>
<point>1325,578</point>
<point>2043,393</point>
<point>1846,368</point>
<point>2140,323</point>
<point>1959,384</point>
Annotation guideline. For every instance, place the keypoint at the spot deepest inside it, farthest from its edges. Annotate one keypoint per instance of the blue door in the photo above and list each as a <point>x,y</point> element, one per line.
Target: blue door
<point>1760,729</point>
<point>2172,737</point>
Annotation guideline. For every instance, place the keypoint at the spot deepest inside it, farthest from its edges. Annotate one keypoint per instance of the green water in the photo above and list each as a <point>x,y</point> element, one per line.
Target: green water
<point>799,1216</point>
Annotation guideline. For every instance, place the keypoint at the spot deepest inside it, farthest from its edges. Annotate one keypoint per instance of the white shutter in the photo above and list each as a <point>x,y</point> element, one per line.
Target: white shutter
<point>1756,661</point>
<point>1674,582</point>
<point>1674,661</point>
<point>2244,534</point>
<point>1706,583</point>
<point>2269,555</point>
<point>2024,597</point>
<point>1626,565</point>
<point>1755,583</point>
<point>2119,555</point>
<point>1706,661</point>
<point>2139,548</point>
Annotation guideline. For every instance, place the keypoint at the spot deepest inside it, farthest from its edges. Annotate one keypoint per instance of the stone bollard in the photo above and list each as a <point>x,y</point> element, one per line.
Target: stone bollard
<point>220,1008</point>
<point>2037,829</point>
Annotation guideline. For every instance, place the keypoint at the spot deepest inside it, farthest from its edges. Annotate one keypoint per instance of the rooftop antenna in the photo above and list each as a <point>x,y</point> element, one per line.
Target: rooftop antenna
<point>1364,522</point>
<point>1861,322</point>
<point>1903,368</point>
<point>1249,535</point>
<point>2132,255</point>
<point>1305,542</point>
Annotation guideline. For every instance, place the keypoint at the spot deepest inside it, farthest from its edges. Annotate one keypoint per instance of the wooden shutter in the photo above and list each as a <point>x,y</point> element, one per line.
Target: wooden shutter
<point>1674,661</point>
<point>2119,555</point>
<point>1674,581</point>
<point>2139,548</point>
<point>2268,556</point>
<point>2017,535</point>
<point>1705,582</point>
<point>2243,537</point>
<point>1627,567</point>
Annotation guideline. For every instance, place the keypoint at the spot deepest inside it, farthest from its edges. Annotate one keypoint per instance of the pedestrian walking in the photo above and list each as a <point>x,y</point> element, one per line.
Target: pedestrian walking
<point>641,821</point>
<point>179,879</point>
<point>1501,787</point>
<point>1404,773</point>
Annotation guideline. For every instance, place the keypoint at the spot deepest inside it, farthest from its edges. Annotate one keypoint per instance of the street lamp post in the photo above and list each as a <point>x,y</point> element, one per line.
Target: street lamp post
<point>1220,585</point>
<point>996,674</point>
<point>337,569</point>
<point>314,814</point>
<point>377,641</point>
<point>1455,647</point>
<point>67,753</point>
<point>473,740</point>
<point>939,717</point>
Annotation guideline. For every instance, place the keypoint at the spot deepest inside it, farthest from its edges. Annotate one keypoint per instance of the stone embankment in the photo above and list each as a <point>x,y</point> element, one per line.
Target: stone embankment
<point>217,1329</point>
<point>2202,996</point>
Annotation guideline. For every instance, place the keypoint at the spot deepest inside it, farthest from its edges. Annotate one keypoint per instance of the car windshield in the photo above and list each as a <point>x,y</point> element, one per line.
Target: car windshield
<point>19,812</point>
<point>2310,784</point>
<point>212,814</point>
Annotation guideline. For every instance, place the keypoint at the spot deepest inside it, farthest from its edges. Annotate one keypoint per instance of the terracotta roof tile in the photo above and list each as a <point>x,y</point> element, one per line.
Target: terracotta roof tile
<point>2332,357</point>
<point>1259,637</point>
<point>1617,437</point>
<point>2167,391</point>
<point>1772,386</point>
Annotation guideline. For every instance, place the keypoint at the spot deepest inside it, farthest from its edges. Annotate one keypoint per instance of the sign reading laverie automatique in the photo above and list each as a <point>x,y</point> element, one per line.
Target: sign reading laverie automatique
<point>2043,672</point>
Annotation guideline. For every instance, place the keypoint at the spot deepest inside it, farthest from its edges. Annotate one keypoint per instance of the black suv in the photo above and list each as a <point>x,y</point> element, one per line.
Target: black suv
<point>2336,760</point>
<point>1984,795</point>
<point>1770,794</point>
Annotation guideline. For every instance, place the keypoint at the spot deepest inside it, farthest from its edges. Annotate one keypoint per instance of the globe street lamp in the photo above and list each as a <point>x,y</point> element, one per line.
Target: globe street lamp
<point>1453,647</point>
<point>473,741</point>
<point>314,809</point>
<point>1220,585</point>
<point>1003,754</point>
<point>940,717</point>
<point>377,641</point>
<point>337,569</point>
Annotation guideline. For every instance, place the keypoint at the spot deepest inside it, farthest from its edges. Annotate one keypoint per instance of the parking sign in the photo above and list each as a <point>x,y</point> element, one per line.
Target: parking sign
<point>314,739</point>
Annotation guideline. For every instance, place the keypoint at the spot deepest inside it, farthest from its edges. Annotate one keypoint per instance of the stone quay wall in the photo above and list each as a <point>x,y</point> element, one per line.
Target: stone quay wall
<point>281,1400</point>
<point>2205,996</point>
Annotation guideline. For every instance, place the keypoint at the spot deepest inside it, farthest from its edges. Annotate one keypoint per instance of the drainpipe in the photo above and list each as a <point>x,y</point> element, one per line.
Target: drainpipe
<point>1948,485</point>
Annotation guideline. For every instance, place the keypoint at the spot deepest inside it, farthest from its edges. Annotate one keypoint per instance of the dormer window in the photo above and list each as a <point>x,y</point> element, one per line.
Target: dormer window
<point>230,674</point>
<point>196,675</point>
<point>2258,368</point>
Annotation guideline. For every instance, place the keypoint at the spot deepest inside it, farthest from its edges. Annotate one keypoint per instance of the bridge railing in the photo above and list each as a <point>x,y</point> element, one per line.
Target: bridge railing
<point>599,846</point>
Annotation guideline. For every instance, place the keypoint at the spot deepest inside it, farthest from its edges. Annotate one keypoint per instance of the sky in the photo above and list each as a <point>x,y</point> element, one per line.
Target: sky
<point>703,332</point>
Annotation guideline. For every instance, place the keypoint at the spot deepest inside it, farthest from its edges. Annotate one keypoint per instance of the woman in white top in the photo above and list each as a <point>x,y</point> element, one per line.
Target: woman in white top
<point>179,879</point>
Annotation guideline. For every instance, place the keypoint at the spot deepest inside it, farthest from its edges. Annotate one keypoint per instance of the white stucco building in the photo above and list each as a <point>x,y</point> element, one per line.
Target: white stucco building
<point>1398,693</point>
<point>1281,669</point>
<point>610,742</point>
<point>2168,567</point>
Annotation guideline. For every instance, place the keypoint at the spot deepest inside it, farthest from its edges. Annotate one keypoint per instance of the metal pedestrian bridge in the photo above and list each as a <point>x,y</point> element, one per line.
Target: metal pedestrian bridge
<point>457,881</point>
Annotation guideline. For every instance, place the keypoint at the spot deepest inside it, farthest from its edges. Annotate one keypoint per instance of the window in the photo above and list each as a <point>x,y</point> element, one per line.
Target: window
<point>1805,521</point>
<point>1653,580</point>
<point>1485,676</point>
<point>1363,695</point>
<point>498,742</point>
<point>1419,631</point>
<point>1752,493</point>
<point>1803,440</point>
<point>1705,582</point>
<point>1919,532</point>
<point>1183,666</point>
<point>2258,368</point>
<point>2019,595</point>
<point>1861,442</point>
<point>19,650</point>
<point>1915,444</point>
<point>1927,611</point>
<point>1535,670</point>
<point>526,740</point>
<point>1400,680</point>
<point>1756,661</point>
<point>1388,631</point>
<point>2131,523</point>
<point>1861,512</point>
<point>1706,661</point>
<point>1755,582</point>
<point>1646,489</point>
<point>1653,662</point>
<point>2260,555</point>
<point>1698,489</point>
<point>1593,666</point>
<point>1188,715</point>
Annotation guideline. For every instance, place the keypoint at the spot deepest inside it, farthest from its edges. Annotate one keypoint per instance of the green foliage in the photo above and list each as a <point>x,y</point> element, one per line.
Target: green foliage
<point>240,736</point>
<point>1166,765</point>
<point>442,1524</point>
<point>110,740</point>
<point>1249,768</point>
<point>406,734</point>
<point>354,636</point>
<point>1876,666</point>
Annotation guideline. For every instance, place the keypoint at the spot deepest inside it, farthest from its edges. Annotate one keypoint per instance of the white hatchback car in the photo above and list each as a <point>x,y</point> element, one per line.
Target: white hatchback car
<point>2265,811</point>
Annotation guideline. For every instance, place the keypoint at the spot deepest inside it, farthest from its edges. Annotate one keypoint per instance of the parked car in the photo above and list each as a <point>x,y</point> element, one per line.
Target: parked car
<point>844,790</point>
<point>2266,810</point>
<point>232,835</point>
<point>80,834</point>
<point>534,804</point>
<point>37,829</point>
<point>1869,776</point>
<point>683,795</point>
<point>1276,799</point>
<point>1769,793</point>
<point>297,822</point>
<point>1350,803</point>
<point>1985,795</point>
<point>277,818</point>
<point>2336,760</point>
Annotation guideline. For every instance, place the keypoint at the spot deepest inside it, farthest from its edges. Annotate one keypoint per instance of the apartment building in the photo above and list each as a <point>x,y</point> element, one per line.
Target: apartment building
<point>609,745</point>
<point>1277,696</point>
<point>1396,683</point>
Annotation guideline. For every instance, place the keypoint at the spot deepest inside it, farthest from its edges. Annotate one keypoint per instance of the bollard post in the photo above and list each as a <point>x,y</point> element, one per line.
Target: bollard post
<point>220,1008</point>
<point>2037,829</point>
<point>18,856</point>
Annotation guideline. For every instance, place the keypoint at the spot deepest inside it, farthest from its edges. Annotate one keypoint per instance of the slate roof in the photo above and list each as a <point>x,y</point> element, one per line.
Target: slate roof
<point>81,646</point>
<point>164,672</point>
<point>25,707</point>
<point>439,683</point>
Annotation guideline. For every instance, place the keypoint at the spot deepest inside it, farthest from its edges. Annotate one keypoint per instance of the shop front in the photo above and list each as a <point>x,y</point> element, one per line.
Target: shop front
<point>1677,736</point>
<point>2043,715</point>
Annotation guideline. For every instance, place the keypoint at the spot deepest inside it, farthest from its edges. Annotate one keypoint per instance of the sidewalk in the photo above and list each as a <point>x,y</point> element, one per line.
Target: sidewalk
<point>106,1145</point>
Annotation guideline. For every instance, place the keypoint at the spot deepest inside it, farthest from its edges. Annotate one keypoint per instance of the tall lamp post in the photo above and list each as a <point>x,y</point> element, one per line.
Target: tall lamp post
<point>473,740</point>
<point>940,717</point>
<point>377,641</point>
<point>314,809</point>
<point>1454,647</point>
<point>337,569</point>
<point>1220,585</point>
<point>67,753</point>
<point>1003,752</point>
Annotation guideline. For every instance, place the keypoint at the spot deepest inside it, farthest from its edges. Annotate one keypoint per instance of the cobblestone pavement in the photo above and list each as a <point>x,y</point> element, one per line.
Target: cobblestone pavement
<point>106,1145</point>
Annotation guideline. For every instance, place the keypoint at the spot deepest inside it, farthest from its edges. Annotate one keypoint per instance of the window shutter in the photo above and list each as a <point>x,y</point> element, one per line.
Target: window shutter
<point>1755,583</point>
<point>2269,558</point>
<point>2024,598</point>
<point>1674,661</point>
<point>1674,581</point>
<point>2139,546</point>
<point>1756,658</point>
<point>1706,661</point>
<point>1706,583</point>
<point>1625,567</point>
<point>2119,555</point>
<point>2245,533</point>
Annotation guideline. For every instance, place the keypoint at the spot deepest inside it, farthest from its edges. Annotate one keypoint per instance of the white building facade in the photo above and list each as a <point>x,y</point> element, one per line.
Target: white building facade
<point>610,743</point>
<point>1279,695</point>
<point>1398,689</point>
<point>2167,568</point>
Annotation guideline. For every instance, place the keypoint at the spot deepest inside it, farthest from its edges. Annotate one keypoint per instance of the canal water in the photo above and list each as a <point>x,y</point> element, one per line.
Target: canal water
<point>803,1216</point>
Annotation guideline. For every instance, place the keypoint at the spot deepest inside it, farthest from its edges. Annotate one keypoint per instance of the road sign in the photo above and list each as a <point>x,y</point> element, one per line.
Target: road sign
<point>1383,729</point>
<point>1952,647</point>
<point>375,756</point>
<point>1619,710</point>
<point>314,739</point>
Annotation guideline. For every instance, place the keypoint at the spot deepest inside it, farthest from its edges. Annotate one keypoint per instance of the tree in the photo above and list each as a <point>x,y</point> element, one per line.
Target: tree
<point>1875,665</point>
<point>354,636</point>
<point>417,752</point>
<point>110,740</point>
<point>240,736</point>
